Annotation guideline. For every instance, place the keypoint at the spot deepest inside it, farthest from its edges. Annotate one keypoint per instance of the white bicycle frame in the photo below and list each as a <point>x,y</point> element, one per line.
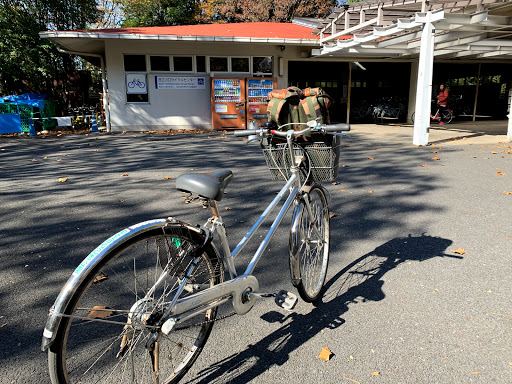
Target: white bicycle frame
<point>242,290</point>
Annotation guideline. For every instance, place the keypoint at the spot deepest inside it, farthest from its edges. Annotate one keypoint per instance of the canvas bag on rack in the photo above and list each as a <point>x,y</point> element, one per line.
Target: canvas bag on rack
<point>293,105</point>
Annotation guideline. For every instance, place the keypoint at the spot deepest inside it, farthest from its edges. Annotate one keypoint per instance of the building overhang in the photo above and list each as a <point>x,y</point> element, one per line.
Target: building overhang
<point>478,30</point>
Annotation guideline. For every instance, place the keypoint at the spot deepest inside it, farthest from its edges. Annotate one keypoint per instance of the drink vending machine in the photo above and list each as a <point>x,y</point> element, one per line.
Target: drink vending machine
<point>228,103</point>
<point>236,102</point>
<point>257,91</point>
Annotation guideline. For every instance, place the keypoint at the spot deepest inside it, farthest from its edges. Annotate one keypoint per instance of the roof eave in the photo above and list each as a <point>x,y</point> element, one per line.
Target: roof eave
<point>51,35</point>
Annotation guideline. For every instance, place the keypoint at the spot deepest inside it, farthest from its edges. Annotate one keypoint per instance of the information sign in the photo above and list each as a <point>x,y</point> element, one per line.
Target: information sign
<point>179,82</point>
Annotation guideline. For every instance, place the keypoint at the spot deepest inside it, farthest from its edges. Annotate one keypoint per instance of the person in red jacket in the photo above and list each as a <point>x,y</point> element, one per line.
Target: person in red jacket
<point>442,101</point>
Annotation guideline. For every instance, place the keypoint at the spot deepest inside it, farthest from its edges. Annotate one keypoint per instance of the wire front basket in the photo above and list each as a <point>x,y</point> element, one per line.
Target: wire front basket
<point>323,157</point>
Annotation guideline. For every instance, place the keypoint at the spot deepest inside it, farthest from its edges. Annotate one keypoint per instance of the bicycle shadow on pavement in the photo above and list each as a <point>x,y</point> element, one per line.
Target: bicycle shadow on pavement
<point>360,281</point>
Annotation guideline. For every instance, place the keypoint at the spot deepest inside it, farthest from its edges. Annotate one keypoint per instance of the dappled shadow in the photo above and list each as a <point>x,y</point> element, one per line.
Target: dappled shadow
<point>48,226</point>
<point>360,281</point>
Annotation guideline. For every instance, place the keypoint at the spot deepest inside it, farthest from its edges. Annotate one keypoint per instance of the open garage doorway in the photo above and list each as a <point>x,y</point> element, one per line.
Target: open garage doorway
<point>372,85</point>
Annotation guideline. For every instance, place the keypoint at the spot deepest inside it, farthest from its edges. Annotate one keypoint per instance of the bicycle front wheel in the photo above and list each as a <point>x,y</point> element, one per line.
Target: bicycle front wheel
<point>122,289</point>
<point>309,244</point>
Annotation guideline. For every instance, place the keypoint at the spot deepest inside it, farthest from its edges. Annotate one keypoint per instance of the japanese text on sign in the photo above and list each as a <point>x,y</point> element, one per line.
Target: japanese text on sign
<point>179,82</point>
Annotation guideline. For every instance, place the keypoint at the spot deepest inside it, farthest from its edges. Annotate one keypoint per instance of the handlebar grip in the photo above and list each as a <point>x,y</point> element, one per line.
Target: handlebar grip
<point>339,127</point>
<point>245,132</point>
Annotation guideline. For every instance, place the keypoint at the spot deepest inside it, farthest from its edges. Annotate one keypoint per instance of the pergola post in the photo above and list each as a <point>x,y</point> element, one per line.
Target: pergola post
<point>509,132</point>
<point>424,83</point>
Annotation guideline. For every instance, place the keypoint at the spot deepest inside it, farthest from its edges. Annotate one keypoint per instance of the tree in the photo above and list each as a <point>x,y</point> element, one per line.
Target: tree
<point>149,13</point>
<point>234,11</point>
<point>28,62</point>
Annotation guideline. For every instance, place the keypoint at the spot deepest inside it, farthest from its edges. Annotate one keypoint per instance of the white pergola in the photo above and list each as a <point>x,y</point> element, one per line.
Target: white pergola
<point>422,31</point>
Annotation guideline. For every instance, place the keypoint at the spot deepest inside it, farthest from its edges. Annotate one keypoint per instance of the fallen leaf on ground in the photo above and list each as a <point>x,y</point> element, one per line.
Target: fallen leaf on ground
<point>227,208</point>
<point>96,150</point>
<point>371,192</point>
<point>121,201</point>
<point>63,179</point>
<point>99,312</point>
<point>331,214</point>
<point>424,165</point>
<point>371,158</point>
<point>124,174</point>
<point>436,158</point>
<point>102,276</point>
<point>325,354</point>
<point>376,373</point>
<point>494,152</point>
<point>335,183</point>
<point>460,251</point>
<point>435,151</point>
<point>475,373</point>
<point>501,173</point>
<point>3,325</point>
<point>342,190</point>
<point>167,177</point>
<point>507,193</point>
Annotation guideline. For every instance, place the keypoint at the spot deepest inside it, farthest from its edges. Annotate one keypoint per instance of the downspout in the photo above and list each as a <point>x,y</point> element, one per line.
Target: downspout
<point>103,81</point>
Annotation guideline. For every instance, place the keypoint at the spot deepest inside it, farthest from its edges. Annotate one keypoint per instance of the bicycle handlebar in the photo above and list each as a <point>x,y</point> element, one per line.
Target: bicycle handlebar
<point>339,127</point>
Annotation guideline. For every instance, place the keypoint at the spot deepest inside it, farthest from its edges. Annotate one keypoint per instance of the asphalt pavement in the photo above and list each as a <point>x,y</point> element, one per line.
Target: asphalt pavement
<point>419,282</point>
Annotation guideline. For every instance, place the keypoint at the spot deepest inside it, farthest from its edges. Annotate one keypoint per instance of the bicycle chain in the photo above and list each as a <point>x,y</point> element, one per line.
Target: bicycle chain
<point>205,322</point>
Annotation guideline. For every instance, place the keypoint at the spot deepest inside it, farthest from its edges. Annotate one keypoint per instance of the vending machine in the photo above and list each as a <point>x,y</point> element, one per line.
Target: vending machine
<point>257,91</point>
<point>228,103</point>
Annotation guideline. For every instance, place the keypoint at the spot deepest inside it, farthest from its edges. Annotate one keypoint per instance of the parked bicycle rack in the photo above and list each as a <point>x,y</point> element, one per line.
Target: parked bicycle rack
<point>32,132</point>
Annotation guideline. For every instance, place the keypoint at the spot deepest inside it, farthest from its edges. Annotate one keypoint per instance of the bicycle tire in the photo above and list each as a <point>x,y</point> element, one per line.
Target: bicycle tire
<point>447,116</point>
<point>91,351</point>
<point>309,262</point>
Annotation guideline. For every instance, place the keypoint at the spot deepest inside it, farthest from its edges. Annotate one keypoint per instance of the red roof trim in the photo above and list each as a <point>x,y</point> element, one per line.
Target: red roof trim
<point>248,30</point>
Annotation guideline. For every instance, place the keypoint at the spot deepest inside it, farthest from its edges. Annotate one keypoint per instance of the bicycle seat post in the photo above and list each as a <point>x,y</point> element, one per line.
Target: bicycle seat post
<point>218,224</point>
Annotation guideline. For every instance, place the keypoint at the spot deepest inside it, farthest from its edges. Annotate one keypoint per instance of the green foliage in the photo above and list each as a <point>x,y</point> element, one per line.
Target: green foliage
<point>149,13</point>
<point>32,64</point>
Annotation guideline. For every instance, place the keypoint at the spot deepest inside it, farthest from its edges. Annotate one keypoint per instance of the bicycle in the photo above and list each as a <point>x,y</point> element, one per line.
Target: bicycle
<point>447,115</point>
<point>141,306</point>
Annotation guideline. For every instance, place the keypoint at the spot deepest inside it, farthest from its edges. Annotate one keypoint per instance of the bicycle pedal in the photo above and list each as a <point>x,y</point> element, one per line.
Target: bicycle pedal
<point>286,300</point>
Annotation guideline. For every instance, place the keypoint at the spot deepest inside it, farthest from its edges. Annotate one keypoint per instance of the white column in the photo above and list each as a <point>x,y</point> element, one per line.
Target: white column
<point>424,84</point>
<point>509,132</point>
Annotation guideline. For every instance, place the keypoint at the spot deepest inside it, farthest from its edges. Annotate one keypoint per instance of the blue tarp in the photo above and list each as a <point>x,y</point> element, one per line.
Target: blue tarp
<point>10,123</point>
<point>32,99</point>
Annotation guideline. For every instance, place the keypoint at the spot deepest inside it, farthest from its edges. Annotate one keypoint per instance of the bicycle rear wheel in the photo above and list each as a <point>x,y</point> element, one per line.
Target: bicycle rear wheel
<point>89,351</point>
<point>447,116</point>
<point>309,244</point>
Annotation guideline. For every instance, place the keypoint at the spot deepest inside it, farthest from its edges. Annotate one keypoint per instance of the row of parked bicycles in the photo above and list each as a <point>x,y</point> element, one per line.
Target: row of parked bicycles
<point>395,109</point>
<point>80,116</point>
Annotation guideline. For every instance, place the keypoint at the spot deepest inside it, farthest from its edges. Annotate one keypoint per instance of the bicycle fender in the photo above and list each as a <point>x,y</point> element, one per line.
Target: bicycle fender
<point>85,267</point>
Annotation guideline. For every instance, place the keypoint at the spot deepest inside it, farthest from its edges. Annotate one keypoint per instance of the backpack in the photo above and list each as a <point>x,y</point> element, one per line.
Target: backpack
<point>293,105</point>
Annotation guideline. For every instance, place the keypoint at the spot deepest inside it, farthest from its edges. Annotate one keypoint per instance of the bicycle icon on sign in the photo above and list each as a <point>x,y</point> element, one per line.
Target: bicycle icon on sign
<point>138,83</point>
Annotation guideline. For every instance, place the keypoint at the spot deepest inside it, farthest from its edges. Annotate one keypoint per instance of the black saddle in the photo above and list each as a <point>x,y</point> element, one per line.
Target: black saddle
<point>209,185</point>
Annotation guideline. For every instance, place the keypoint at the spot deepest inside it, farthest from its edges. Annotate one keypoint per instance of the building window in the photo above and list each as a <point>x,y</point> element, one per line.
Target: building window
<point>218,64</point>
<point>240,64</point>
<point>135,63</point>
<point>159,63</point>
<point>262,65</point>
<point>200,63</point>
<point>136,87</point>
<point>183,64</point>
